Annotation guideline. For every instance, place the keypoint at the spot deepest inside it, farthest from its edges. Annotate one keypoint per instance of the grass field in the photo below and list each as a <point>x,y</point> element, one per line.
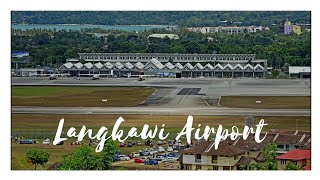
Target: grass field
<point>79,96</point>
<point>268,102</point>
<point>48,123</point>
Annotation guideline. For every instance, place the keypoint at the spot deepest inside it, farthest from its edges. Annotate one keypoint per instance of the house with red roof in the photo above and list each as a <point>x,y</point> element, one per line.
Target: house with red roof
<point>300,157</point>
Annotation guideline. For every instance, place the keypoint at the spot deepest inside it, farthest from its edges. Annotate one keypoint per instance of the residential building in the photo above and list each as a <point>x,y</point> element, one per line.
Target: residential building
<point>302,158</point>
<point>227,29</point>
<point>204,156</point>
<point>287,29</point>
<point>241,154</point>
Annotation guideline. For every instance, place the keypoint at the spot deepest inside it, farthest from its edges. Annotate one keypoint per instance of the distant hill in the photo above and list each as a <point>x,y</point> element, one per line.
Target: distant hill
<point>181,18</point>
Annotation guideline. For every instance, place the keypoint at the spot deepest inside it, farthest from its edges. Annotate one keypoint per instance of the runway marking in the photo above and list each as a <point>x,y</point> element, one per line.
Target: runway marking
<point>184,95</point>
<point>205,101</point>
<point>219,101</point>
<point>309,85</point>
<point>149,97</point>
<point>184,91</point>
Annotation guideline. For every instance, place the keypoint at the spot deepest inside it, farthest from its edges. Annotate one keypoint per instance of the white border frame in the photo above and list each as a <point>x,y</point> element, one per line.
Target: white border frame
<point>230,5</point>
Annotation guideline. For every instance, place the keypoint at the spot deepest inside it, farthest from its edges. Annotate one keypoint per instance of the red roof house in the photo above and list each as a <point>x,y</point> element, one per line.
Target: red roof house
<point>298,156</point>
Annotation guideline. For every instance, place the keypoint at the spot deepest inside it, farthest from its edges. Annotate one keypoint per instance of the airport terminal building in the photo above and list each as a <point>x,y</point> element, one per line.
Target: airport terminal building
<point>166,65</point>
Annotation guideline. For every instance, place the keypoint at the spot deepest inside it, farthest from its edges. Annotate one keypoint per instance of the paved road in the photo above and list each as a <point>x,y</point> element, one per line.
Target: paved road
<point>162,111</point>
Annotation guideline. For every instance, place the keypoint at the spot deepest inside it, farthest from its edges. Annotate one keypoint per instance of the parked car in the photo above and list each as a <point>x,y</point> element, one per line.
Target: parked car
<point>124,158</point>
<point>160,143</point>
<point>153,151</point>
<point>161,149</point>
<point>139,143</point>
<point>46,142</point>
<point>116,158</point>
<point>28,141</point>
<point>52,77</point>
<point>169,159</point>
<point>133,143</point>
<point>148,142</point>
<point>122,144</point>
<point>138,160</point>
<point>145,153</point>
<point>95,77</point>
<point>170,143</point>
<point>151,162</point>
<point>134,154</point>
<point>169,149</point>
<point>60,143</point>
<point>176,147</point>
<point>76,142</point>
<point>175,154</point>
<point>186,146</point>
<point>140,79</point>
<point>159,157</point>
<point>129,144</point>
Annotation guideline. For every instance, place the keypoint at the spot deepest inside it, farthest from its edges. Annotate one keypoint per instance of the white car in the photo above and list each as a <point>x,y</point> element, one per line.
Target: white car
<point>135,154</point>
<point>169,159</point>
<point>95,77</point>
<point>53,76</point>
<point>153,152</point>
<point>161,149</point>
<point>46,142</point>
<point>124,158</point>
<point>169,149</point>
<point>159,158</point>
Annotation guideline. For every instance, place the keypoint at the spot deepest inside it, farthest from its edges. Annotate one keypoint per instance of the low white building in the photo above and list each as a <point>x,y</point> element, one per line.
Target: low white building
<point>162,36</point>
<point>300,71</point>
<point>28,72</point>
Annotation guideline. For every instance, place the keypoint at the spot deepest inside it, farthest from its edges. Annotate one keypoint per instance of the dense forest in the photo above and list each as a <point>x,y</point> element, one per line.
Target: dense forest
<point>180,18</point>
<point>50,47</point>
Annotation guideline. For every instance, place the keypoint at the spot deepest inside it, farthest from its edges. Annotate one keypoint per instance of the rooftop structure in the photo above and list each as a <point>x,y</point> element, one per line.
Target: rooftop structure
<point>239,153</point>
<point>301,158</point>
<point>227,29</point>
<point>178,65</point>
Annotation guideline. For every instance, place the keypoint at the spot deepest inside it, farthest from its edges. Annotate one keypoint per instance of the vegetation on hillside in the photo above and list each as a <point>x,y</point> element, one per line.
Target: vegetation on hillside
<point>181,18</point>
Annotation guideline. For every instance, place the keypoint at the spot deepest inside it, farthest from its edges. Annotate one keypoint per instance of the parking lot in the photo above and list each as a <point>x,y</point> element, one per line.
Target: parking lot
<point>163,155</point>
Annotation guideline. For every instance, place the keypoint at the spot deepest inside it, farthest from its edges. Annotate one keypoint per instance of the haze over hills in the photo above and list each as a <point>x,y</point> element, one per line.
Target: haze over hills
<point>181,18</point>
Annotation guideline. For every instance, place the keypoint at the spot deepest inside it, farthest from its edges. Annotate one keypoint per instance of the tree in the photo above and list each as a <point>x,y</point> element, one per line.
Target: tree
<point>84,158</point>
<point>107,154</point>
<point>37,157</point>
<point>270,153</point>
<point>291,166</point>
<point>275,73</point>
<point>193,47</point>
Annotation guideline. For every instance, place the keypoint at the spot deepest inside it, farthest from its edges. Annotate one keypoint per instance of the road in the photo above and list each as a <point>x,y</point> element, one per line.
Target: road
<point>162,111</point>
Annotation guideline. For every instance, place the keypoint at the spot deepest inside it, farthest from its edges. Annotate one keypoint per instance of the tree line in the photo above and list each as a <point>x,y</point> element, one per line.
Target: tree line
<point>52,48</point>
<point>180,18</point>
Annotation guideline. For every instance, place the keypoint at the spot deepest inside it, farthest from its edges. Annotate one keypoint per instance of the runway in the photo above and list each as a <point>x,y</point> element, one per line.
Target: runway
<point>162,111</point>
<point>179,96</point>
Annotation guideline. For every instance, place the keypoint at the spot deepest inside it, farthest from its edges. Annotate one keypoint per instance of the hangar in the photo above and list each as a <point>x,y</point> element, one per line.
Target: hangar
<point>169,65</point>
